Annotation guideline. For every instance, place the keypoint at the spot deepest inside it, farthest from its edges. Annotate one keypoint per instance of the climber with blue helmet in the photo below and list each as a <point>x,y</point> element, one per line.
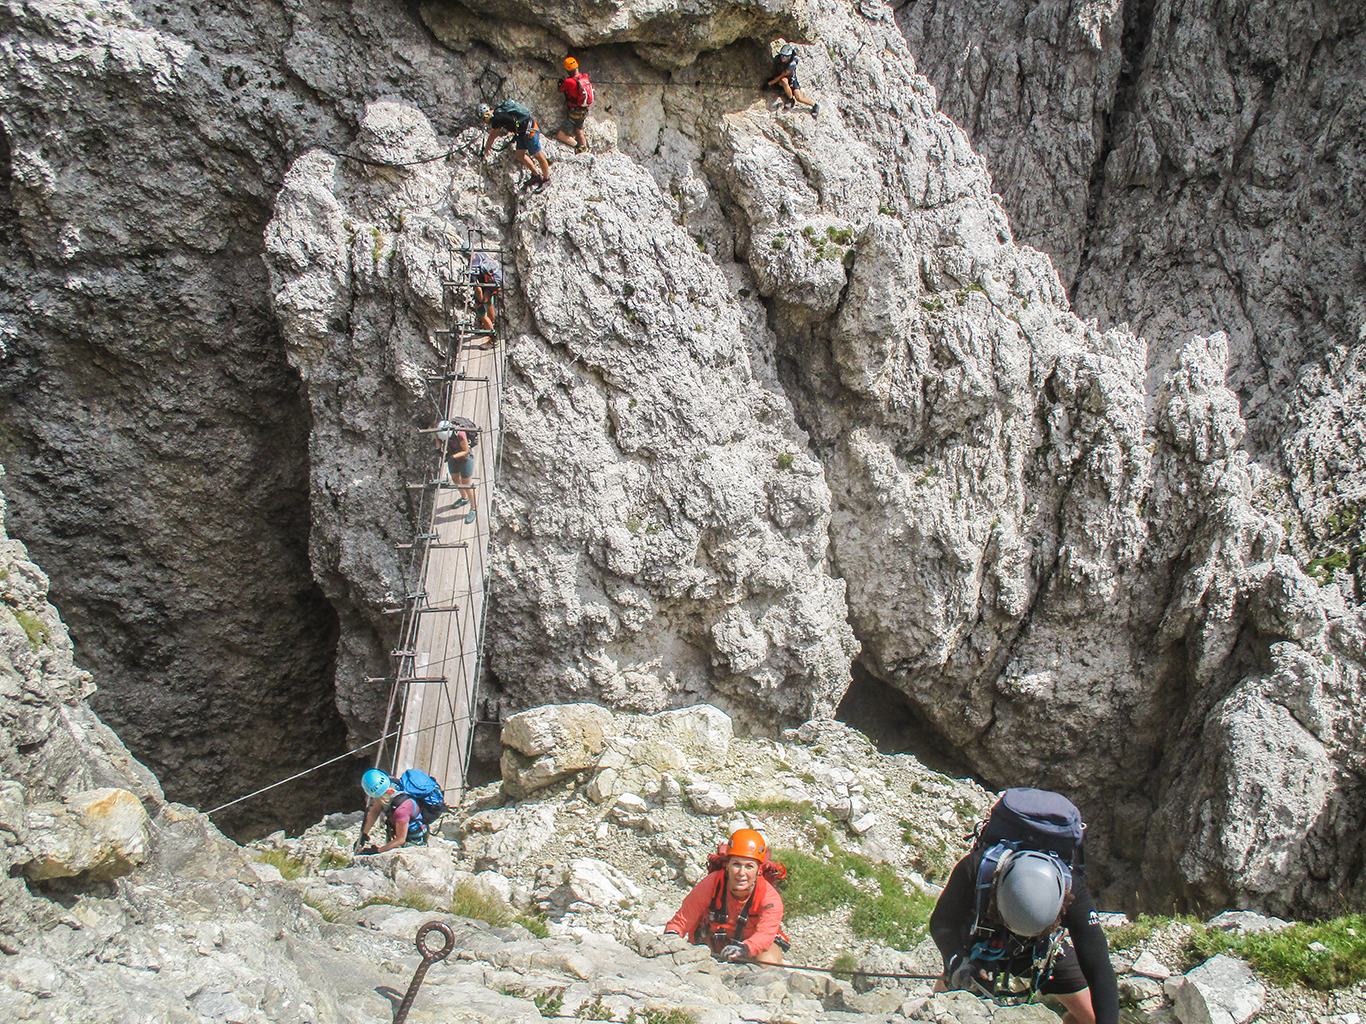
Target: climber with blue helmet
<point>402,816</point>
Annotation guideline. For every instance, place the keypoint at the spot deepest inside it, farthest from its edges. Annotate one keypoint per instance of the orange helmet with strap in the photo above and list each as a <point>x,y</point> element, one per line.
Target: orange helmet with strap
<point>745,842</point>
<point>570,64</point>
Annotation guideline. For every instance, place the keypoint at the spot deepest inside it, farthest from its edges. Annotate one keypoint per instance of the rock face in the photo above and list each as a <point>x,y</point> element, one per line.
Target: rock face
<point>1193,167</point>
<point>782,391</point>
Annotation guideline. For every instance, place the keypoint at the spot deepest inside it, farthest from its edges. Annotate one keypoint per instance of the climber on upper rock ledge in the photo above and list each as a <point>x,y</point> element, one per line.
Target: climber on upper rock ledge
<point>783,74</point>
<point>511,117</point>
<point>578,97</point>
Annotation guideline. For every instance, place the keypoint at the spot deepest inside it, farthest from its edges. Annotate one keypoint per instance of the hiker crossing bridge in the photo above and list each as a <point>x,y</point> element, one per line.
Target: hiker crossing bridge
<point>439,656</point>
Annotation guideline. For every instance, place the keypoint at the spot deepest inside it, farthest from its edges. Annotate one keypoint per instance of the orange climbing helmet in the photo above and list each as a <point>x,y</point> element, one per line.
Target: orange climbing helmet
<point>570,64</point>
<point>745,842</point>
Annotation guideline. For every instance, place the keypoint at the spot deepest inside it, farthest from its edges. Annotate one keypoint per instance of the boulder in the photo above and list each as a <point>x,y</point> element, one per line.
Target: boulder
<point>573,734</point>
<point>585,884</point>
<point>100,834</point>
<point>1222,990</point>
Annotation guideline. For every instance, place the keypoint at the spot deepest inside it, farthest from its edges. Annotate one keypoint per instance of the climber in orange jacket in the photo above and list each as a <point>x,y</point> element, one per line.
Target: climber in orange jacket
<point>735,910</point>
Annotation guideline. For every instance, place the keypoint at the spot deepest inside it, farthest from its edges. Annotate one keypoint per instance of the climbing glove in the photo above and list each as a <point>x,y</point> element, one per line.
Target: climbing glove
<point>735,951</point>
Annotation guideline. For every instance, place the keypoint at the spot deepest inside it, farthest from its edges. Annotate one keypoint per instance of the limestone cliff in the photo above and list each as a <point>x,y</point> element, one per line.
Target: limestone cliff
<point>784,392</point>
<point>1194,167</point>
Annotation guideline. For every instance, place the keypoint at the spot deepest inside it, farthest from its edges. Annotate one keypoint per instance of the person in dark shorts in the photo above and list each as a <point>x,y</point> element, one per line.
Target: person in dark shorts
<point>511,117</point>
<point>783,75</point>
<point>459,454</point>
<point>578,97</point>
<point>1033,920</point>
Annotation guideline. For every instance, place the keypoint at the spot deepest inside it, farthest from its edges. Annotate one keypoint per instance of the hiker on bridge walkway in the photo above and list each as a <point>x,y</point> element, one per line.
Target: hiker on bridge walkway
<point>736,910</point>
<point>1016,918</point>
<point>457,438</point>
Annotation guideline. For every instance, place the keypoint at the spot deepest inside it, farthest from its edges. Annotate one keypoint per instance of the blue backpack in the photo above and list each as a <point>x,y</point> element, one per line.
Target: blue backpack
<point>419,787</point>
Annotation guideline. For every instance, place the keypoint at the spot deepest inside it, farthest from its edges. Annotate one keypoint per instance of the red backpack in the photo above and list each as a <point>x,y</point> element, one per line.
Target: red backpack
<point>579,90</point>
<point>773,871</point>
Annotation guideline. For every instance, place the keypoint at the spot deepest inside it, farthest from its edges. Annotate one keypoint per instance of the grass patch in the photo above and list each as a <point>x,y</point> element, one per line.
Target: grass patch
<point>330,859</point>
<point>676,1015</point>
<point>1134,933</point>
<point>1285,957</point>
<point>326,908</point>
<point>470,900</point>
<point>785,460</point>
<point>844,966</point>
<point>37,632</point>
<point>884,910</point>
<point>535,925</point>
<point>802,809</point>
<point>412,900</point>
<point>931,859</point>
<point>289,867</point>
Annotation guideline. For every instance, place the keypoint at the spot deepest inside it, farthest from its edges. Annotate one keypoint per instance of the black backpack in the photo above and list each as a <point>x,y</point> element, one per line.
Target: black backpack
<point>470,428</point>
<point>1036,819</point>
<point>1023,819</point>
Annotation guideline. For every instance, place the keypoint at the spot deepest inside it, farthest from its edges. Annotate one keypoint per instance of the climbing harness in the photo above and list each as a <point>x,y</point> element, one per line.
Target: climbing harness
<point>429,957</point>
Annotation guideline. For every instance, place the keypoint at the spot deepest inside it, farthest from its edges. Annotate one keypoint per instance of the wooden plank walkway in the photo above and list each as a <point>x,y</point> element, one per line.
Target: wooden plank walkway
<point>438,697</point>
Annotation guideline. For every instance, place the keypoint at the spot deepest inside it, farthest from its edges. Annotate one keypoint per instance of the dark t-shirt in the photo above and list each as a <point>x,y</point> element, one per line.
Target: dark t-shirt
<point>951,928</point>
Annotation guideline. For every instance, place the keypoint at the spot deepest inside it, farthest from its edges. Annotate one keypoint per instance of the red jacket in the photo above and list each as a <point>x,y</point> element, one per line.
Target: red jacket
<point>765,916</point>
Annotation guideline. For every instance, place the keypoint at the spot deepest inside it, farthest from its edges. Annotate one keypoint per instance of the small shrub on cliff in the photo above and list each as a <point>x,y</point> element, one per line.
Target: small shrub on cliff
<point>38,634</point>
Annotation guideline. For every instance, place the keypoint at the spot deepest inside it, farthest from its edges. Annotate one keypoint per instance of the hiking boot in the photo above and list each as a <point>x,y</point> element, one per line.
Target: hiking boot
<point>462,501</point>
<point>541,185</point>
<point>580,149</point>
<point>474,513</point>
<point>532,181</point>
<point>815,109</point>
<point>788,104</point>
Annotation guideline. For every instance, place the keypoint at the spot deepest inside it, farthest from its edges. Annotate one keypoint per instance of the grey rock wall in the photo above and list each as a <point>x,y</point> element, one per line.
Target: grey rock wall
<point>1193,167</point>
<point>840,413</point>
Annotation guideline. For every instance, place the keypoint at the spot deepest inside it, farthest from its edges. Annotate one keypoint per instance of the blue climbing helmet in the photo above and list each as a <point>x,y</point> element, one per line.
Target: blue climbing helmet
<point>376,783</point>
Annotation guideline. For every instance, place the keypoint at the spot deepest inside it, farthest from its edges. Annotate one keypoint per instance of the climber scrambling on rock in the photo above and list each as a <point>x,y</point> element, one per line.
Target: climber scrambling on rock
<point>408,807</point>
<point>511,117</point>
<point>783,74</point>
<point>736,910</point>
<point>578,97</point>
<point>1016,919</point>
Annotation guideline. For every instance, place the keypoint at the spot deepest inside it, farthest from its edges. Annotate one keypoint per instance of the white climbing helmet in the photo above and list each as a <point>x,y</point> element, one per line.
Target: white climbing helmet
<point>1030,889</point>
<point>485,111</point>
<point>445,430</point>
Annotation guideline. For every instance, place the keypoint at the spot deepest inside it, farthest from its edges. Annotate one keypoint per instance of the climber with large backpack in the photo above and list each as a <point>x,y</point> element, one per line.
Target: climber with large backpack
<point>783,75</point>
<point>578,97</point>
<point>409,805</point>
<point>1015,920</point>
<point>736,909</point>
<point>487,278</point>
<point>458,437</point>
<point>512,118</point>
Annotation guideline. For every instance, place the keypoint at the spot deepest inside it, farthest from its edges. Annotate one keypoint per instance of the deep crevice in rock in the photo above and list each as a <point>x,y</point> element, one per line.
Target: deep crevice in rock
<point>1138,18</point>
